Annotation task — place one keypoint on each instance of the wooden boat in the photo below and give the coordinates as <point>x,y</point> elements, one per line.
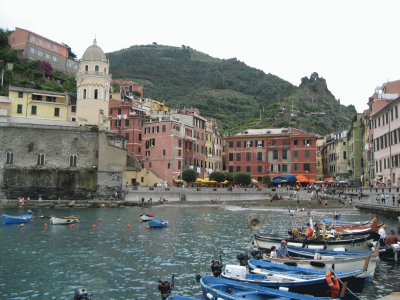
<point>64,220</point>
<point>390,253</point>
<point>339,222</point>
<point>222,288</point>
<point>325,263</point>
<point>157,223</point>
<point>355,243</point>
<point>302,278</point>
<point>147,217</point>
<point>7,219</point>
<point>337,252</point>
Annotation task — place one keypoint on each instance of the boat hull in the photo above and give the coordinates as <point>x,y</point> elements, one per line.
<point>222,288</point>
<point>358,243</point>
<point>157,223</point>
<point>7,219</point>
<point>390,253</point>
<point>64,220</point>
<point>314,279</point>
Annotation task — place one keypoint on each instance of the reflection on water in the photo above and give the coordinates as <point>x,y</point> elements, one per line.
<point>113,255</point>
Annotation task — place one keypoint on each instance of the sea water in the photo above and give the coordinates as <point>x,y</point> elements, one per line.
<point>114,256</point>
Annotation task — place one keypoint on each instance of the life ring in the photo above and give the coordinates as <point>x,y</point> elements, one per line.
<point>333,283</point>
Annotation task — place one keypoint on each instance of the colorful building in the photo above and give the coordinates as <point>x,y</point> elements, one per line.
<point>273,152</point>
<point>355,147</point>
<point>30,45</point>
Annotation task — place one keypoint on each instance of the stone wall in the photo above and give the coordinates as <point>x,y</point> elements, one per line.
<point>55,178</point>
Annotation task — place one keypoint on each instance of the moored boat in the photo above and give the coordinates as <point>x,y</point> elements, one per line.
<point>222,288</point>
<point>355,243</point>
<point>390,253</point>
<point>8,219</point>
<point>155,223</point>
<point>64,220</point>
<point>147,217</point>
<point>355,284</point>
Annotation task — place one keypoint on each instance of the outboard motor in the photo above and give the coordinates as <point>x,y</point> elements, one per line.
<point>255,253</point>
<point>165,288</point>
<point>243,258</point>
<point>81,294</point>
<point>216,268</point>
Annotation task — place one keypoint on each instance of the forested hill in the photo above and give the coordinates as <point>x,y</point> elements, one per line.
<point>228,90</point>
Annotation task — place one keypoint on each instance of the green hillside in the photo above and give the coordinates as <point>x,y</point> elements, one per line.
<point>228,90</point>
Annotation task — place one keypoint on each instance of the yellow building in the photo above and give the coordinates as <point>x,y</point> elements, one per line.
<point>37,104</point>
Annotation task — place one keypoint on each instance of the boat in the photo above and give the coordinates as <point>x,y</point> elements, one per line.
<point>227,289</point>
<point>390,253</point>
<point>337,252</point>
<point>147,217</point>
<point>64,220</point>
<point>368,262</point>
<point>355,243</point>
<point>155,223</point>
<point>303,280</point>
<point>179,297</point>
<point>8,219</point>
<point>339,222</point>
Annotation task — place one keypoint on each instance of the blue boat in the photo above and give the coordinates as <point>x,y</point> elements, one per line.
<point>339,253</point>
<point>303,280</point>
<point>157,223</point>
<point>7,219</point>
<point>221,288</point>
<point>179,297</point>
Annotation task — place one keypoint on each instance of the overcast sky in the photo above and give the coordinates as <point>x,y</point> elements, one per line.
<point>352,44</point>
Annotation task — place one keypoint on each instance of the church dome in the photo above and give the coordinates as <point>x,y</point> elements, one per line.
<point>94,53</point>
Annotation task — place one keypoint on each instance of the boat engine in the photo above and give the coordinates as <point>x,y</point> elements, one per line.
<point>256,253</point>
<point>216,268</point>
<point>165,287</point>
<point>81,294</point>
<point>243,258</point>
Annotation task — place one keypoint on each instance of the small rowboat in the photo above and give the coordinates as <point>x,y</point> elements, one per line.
<point>7,219</point>
<point>147,217</point>
<point>64,220</point>
<point>157,223</point>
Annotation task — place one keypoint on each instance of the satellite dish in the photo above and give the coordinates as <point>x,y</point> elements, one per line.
<point>254,222</point>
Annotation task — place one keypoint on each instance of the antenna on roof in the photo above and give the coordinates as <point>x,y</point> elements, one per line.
<point>95,40</point>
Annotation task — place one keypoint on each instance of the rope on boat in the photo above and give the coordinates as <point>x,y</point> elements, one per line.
<point>351,292</point>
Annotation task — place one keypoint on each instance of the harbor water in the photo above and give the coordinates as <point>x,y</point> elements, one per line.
<point>114,256</point>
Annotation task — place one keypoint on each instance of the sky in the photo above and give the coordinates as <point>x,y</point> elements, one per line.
<point>354,45</point>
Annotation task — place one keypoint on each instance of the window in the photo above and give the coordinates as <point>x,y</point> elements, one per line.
<point>84,93</point>
<point>295,167</point>
<point>19,109</point>
<point>344,155</point>
<point>307,142</point>
<point>259,156</point>
<point>295,142</point>
<point>248,169</point>
<point>273,142</point>
<point>284,168</point>
<point>37,97</point>
<point>259,169</point>
<point>73,108</point>
<point>275,154</point>
<point>295,153</point>
<point>9,158</point>
<point>238,169</point>
<point>179,164</point>
<point>56,111</point>
<point>237,156</point>
<point>230,144</point>
<point>230,156</point>
<point>33,109</point>
<point>164,128</point>
<point>306,167</point>
<point>127,136</point>
<point>163,152</point>
<point>96,94</point>
<point>40,159</point>
<point>96,68</point>
<point>20,94</point>
<point>248,156</point>
<point>230,169</point>
<point>307,153</point>
<point>284,154</point>
<point>126,123</point>
<point>86,68</point>
<point>238,144</point>
<point>72,160</point>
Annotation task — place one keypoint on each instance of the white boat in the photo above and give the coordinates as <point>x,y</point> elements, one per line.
<point>147,217</point>
<point>366,262</point>
<point>64,220</point>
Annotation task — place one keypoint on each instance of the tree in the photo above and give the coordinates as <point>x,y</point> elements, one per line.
<point>189,176</point>
<point>266,180</point>
<point>217,176</point>
<point>71,55</point>
<point>243,179</point>
<point>228,176</point>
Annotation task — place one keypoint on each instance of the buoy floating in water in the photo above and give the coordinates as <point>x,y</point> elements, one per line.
<point>21,225</point>
<point>94,226</point>
<point>45,225</point>
<point>129,226</point>
<point>147,227</point>
<point>73,225</point>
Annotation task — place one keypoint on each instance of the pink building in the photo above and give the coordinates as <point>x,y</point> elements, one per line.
<point>273,152</point>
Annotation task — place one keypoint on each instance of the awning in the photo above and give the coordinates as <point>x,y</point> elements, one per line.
<point>289,178</point>
<point>302,179</point>
<point>277,179</point>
